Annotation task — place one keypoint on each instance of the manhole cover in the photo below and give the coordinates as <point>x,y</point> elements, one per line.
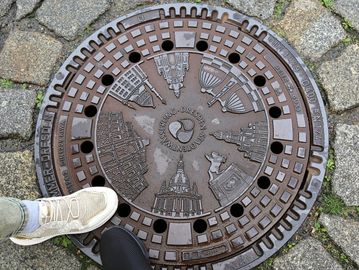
<point>207,125</point>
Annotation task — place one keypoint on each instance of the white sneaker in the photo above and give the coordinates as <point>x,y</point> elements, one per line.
<point>80,212</point>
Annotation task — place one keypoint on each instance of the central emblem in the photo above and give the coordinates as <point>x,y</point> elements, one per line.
<point>182,130</point>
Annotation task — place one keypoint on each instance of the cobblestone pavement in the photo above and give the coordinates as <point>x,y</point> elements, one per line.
<point>36,36</point>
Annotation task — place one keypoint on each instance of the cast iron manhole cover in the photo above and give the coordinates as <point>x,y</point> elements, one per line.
<point>207,125</point>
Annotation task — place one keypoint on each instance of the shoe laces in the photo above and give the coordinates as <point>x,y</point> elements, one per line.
<point>56,210</point>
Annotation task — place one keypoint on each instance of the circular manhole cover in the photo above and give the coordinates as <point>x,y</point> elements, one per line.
<point>207,125</point>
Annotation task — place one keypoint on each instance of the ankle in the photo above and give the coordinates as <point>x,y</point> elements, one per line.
<point>33,215</point>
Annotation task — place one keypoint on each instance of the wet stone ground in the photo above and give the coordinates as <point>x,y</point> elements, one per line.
<point>36,36</point>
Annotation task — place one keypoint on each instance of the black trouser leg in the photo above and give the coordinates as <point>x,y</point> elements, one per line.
<point>122,250</point>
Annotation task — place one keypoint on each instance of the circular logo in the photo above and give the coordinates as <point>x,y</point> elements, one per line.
<point>182,130</point>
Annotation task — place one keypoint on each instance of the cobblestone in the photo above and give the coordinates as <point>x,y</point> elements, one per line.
<point>16,113</point>
<point>68,18</point>
<point>307,254</point>
<point>122,6</point>
<point>24,7</point>
<point>345,233</point>
<point>40,257</point>
<point>346,174</point>
<point>349,9</point>
<point>260,8</point>
<point>311,28</point>
<point>17,176</point>
<point>339,78</point>
<point>5,6</point>
<point>29,57</point>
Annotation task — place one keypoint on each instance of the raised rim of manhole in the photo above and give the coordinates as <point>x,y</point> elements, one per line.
<point>208,126</point>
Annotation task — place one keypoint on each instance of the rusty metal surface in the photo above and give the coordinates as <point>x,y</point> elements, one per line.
<point>207,125</point>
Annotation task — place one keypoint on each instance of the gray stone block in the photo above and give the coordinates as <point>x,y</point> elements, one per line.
<point>340,79</point>
<point>311,28</point>
<point>29,57</point>
<point>349,9</point>
<point>24,7</point>
<point>259,8</point>
<point>5,6</point>
<point>44,256</point>
<point>16,113</point>
<point>68,18</point>
<point>307,254</point>
<point>17,176</point>
<point>345,234</point>
<point>120,7</point>
<point>346,174</point>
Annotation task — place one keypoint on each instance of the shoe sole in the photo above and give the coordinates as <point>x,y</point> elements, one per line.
<point>111,198</point>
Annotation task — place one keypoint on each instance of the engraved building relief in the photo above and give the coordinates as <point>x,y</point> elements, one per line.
<point>227,184</point>
<point>133,86</point>
<point>236,96</point>
<point>122,154</point>
<point>251,140</point>
<point>212,74</point>
<point>210,78</point>
<point>177,197</point>
<point>173,67</point>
